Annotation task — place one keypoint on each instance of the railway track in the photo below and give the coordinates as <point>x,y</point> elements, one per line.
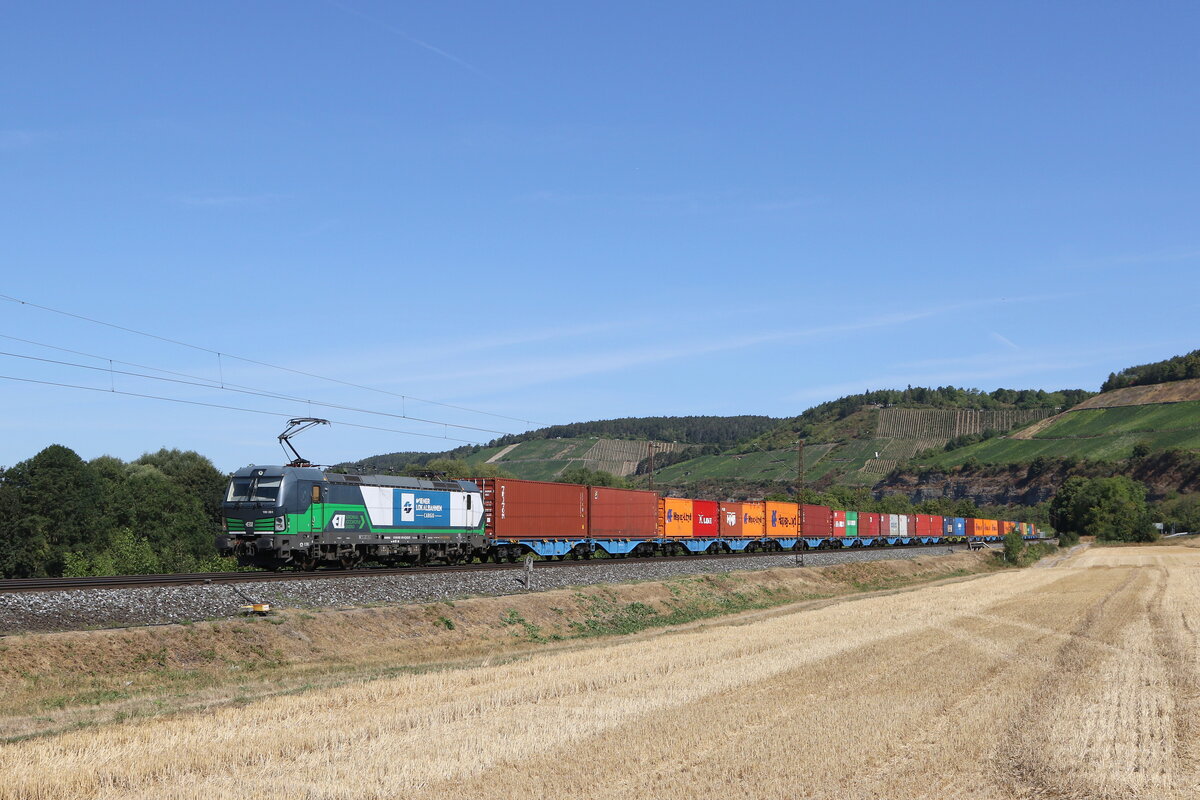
<point>199,578</point>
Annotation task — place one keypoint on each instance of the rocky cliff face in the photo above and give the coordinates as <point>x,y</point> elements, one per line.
<point>1029,484</point>
<point>982,489</point>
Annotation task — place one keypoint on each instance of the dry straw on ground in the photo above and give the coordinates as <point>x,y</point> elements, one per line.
<point>1074,681</point>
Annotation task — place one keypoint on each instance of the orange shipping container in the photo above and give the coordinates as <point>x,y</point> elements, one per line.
<point>783,520</point>
<point>675,517</point>
<point>754,519</point>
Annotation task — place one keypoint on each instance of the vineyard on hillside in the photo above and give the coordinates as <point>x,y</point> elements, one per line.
<point>912,423</point>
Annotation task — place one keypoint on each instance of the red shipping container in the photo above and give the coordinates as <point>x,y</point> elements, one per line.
<point>928,525</point>
<point>868,524</point>
<point>729,520</point>
<point>516,509</point>
<point>621,513</point>
<point>816,522</point>
<point>839,523</point>
<point>704,518</point>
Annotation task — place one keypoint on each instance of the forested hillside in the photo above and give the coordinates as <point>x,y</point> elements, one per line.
<point>685,430</point>
<point>1178,368</point>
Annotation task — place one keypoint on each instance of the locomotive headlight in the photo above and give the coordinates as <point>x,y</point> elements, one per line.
<point>280,524</point>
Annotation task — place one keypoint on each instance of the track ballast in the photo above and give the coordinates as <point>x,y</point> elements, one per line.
<point>189,579</point>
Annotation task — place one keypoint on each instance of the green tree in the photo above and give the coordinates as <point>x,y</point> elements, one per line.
<point>165,515</point>
<point>1110,508</point>
<point>1014,547</point>
<point>455,469</point>
<point>51,505</point>
<point>127,554</point>
<point>1181,512</point>
<point>194,474</point>
<point>592,477</point>
<point>894,504</point>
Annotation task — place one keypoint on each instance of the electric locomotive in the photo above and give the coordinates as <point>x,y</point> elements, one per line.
<point>302,516</point>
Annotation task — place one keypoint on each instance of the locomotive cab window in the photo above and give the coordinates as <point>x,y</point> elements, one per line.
<point>316,494</point>
<point>258,489</point>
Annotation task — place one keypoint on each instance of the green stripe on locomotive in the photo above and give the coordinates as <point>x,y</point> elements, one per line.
<point>354,518</point>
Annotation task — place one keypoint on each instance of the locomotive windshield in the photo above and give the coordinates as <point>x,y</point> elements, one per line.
<point>254,489</point>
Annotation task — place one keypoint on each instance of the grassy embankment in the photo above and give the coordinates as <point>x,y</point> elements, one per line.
<point>51,682</point>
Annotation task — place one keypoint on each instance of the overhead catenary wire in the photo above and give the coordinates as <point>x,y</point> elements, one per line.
<point>207,383</point>
<point>220,354</point>
<point>225,407</point>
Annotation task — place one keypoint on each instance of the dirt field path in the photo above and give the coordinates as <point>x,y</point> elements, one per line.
<point>1076,681</point>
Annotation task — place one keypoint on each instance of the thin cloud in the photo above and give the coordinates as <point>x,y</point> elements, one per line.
<point>1004,340</point>
<point>1171,256</point>
<point>679,204</point>
<point>488,348</point>
<point>412,39</point>
<point>16,139</point>
<point>968,370</point>
<point>529,372</point>
<point>791,205</point>
<point>973,360</point>
<point>231,200</point>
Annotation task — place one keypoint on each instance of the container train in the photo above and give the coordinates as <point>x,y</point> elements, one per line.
<point>304,517</point>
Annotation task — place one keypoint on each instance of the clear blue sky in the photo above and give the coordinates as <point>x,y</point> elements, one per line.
<point>562,212</point>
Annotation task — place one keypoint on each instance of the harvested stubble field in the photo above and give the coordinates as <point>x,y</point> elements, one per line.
<point>1078,680</point>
